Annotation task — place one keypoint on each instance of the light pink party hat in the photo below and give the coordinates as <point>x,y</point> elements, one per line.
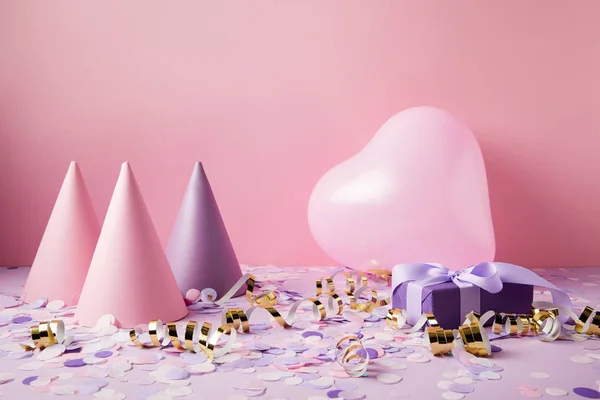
<point>199,249</point>
<point>129,276</point>
<point>63,257</point>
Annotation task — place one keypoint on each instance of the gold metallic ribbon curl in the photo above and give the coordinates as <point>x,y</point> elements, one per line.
<point>352,356</point>
<point>46,334</point>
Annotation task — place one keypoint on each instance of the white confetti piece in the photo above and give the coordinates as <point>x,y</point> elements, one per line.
<point>556,391</point>
<point>41,382</point>
<point>270,376</point>
<point>104,321</point>
<point>63,390</point>
<point>484,362</point>
<point>51,352</point>
<point>452,396</point>
<point>465,380</point>
<point>595,356</point>
<point>105,393</point>
<point>203,368</point>
<point>494,376</point>
<point>6,377</point>
<point>444,385</point>
<point>55,305</point>
<point>30,366</point>
<point>175,391</point>
<point>227,358</point>
<point>293,381</point>
<point>249,370</point>
<point>249,385</point>
<point>65,376</point>
<point>539,375</point>
<point>323,382</point>
<point>451,374</point>
<point>388,378</point>
<point>143,381</point>
<point>418,358</point>
<point>582,359</point>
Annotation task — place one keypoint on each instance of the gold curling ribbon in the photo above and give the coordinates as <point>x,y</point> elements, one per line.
<point>352,356</point>
<point>440,341</point>
<point>195,340</point>
<point>46,334</point>
<point>352,292</point>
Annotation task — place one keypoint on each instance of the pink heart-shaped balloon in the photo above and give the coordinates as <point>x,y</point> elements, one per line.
<point>417,192</point>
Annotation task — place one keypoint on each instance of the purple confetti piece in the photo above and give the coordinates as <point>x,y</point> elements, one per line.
<point>460,388</point>
<point>325,358</point>
<point>496,349</point>
<point>288,360</point>
<point>29,379</point>
<point>21,319</point>
<point>75,363</point>
<point>370,351</point>
<point>264,361</point>
<point>588,393</point>
<point>242,363</point>
<point>275,351</point>
<point>103,354</point>
<point>334,394</point>
<point>309,377</point>
<point>312,333</point>
<point>224,368</point>
<point>88,388</point>
<point>372,318</point>
<point>476,369</point>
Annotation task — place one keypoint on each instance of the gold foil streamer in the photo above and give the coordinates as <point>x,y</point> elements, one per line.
<point>46,334</point>
<point>440,341</point>
<point>352,356</point>
<point>195,340</point>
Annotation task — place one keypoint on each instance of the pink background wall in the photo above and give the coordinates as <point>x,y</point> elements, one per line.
<point>270,94</point>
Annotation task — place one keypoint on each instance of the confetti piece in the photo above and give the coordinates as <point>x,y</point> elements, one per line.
<point>460,388</point>
<point>556,391</point>
<point>531,393</point>
<point>270,376</point>
<point>204,368</point>
<point>346,395</point>
<point>293,381</point>
<point>587,392</point>
<point>491,375</point>
<point>323,383</point>
<point>175,391</point>
<point>55,305</point>
<point>389,378</point>
<point>51,352</point>
<point>452,396</point>
<point>582,359</point>
<point>63,390</point>
<point>465,380</point>
<point>30,366</point>
<point>539,375</point>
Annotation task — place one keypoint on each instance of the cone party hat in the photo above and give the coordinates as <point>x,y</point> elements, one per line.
<point>199,249</point>
<point>129,276</point>
<point>63,257</point>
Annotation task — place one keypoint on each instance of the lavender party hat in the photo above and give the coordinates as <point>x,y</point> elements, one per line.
<point>199,249</point>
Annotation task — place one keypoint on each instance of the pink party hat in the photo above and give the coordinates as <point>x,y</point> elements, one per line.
<point>129,276</point>
<point>64,254</point>
<point>199,249</point>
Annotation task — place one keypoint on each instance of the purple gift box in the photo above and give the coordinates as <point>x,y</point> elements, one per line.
<point>444,301</point>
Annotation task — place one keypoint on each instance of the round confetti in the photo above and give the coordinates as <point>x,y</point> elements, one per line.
<point>192,295</point>
<point>63,390</point>
<point>556,391</point>
<point>51,352</point>
<point>334,394</point>
<point>418,358</point>
<point>55,305</point>
<point>452,396</point>
<point>582,359</point>
<point>588,393</point>
<point>293,381</point>
<point>181,391</point>
<point>30,366</point>
<point>531,394</point>
<point>21,319</point>
<point>444,385</point>
<point>460,388</point>
<point>490,375</point>
<point>323,383</point>
<point>539,375</point>
<point>465,380</point>
<point>388,378</point>
<point>204,368</point>
<point>75,363</point>
<point>29,379</point>
<point>347,385</point>
<point>103,354</point>
<point>346,395</point>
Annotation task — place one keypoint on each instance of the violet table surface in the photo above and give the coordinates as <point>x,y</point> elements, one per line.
<point>519,358</point>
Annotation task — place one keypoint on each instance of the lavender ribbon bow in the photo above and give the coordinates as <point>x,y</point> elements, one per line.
<point>488,276</point>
